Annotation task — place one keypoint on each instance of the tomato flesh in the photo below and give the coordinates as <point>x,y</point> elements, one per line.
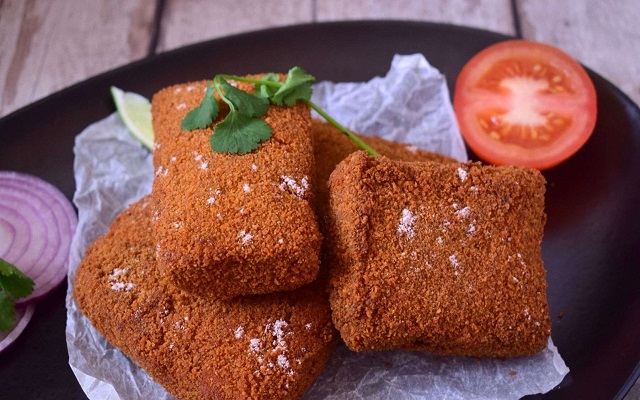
<point>524,103</point>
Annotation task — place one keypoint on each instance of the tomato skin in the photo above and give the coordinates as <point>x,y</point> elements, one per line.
<point>524,103</point>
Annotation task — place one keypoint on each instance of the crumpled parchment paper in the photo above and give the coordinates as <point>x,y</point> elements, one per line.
<point>410,104</point>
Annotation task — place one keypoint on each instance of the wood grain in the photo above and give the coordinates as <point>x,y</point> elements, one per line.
<point>603,35</point>
<point>47,45</point>
<point>493,15</point>
<point>191,21</point>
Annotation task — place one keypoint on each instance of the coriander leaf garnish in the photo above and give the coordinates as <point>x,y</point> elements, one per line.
<point>13,281</point>
<point>7,311</point>
<point>239,134</point>
<point>14,284</point>
<point>245,103</point>
<point>265,90</point>
<point>297,87</point>
<point>203,115</point>
<point>242,131</point>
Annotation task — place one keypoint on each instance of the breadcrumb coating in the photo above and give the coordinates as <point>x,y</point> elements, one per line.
<point>438,257</point>
<point>258,347</point>
<point>229,225</point>
<point>330,147</point>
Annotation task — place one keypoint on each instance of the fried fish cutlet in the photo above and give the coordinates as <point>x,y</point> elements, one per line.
<point>330,147</point>
<point>437,257</point>
<point>257,347</point>
<point>229,225</point>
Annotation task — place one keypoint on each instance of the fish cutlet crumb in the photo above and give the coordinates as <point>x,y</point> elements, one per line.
<point>330,147</point>
<point>256,347</point>
<point>438,257</point>
<point>226,224</point>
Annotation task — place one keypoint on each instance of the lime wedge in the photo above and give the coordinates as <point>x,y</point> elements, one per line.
<point>135,112</point>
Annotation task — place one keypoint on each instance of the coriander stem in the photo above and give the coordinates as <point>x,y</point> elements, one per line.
<point>355,139</point>
<point>224,98</point>
<point>359,142</point>
<point>252,80</point>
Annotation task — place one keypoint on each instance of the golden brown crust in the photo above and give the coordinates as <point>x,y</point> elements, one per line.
<point>229,225</point>
<point>258,347</point>
<point>330,146</point>
<point>438,257</point>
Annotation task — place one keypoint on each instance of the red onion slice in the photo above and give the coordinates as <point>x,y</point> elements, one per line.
<point>39,221</point>
<point>23,316</point>
<point>15,230</point>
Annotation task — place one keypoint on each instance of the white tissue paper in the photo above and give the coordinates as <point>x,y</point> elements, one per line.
<point>411,105</point>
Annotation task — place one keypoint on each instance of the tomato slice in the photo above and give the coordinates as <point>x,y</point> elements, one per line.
<point>524,103</point>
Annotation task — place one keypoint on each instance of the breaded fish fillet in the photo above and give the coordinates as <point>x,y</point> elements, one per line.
<point>228,225</point>
<point>438,257</point>
<point>258,347</point>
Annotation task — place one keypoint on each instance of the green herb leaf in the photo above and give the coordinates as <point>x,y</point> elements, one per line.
<point>239,134</point>
<point>296,87</point>
<point>7,311</point>
<point>245,103</point>
<point>241,131</point>
<point>203,115</point>
<point>13,281</point>
<point>265,90</point>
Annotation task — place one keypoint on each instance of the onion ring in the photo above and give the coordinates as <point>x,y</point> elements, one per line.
<point>38,221</point>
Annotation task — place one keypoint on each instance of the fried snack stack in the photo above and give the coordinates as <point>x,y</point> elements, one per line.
<point>258,347</point>
<point>228,225</point>
<point>438,257</point>
<point>212,283</point>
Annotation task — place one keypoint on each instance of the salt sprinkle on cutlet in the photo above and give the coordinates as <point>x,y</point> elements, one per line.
<point>119,286</point>
<point>407,220</point>
<point>464,213</point>
<point>245,237</point>
<point>454,263</point>
<point>298,189</point>
<point>283,362</point>
<point>278,331</point>
<point>454,260</point>
<point>239,332</point>
<point>115,280</point>
<point>462,174</point>
<point>162,171</point>
<point>254,345</point>
<point>278,346</point>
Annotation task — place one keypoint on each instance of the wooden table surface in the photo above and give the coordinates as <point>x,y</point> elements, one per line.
<point>47,45</point>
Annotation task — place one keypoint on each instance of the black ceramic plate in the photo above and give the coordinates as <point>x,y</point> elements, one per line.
<point>592,240</point>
